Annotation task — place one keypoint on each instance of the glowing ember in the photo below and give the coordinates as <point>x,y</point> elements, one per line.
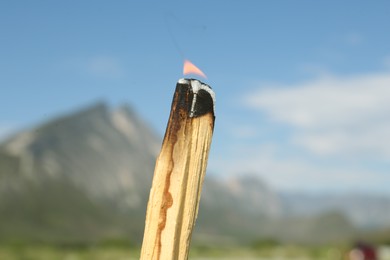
<point>190,68</point>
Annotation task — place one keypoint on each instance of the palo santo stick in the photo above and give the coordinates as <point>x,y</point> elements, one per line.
<point>179,173</point>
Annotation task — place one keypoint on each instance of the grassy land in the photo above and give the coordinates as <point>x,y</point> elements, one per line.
<point>117,253</point>
<point>52,253</point>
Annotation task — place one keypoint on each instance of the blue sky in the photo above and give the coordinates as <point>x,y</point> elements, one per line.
<point>303,87</point>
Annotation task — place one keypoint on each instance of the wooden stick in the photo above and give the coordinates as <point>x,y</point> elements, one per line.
<point>179,173</point>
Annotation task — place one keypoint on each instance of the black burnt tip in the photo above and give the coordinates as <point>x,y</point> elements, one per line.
<point>203,103</point>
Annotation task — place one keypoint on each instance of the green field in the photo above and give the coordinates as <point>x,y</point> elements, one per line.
<point>110,253</point>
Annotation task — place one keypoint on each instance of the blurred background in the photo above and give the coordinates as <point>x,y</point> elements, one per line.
<point>300,159</point>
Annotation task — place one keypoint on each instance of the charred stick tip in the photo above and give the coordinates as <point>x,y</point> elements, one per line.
<point>203,99</point>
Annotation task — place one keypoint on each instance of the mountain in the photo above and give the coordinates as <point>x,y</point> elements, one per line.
<point>366,211</point>
<point>244,209</point>
<point>117,152</point>
<point>85,177</point>
<point>83,173</point>
<point>235,210</point>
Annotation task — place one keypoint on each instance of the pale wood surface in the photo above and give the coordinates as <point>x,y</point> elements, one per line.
<point>177,183</point>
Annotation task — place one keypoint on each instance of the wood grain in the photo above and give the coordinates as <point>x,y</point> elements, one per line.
<point>178,176</point>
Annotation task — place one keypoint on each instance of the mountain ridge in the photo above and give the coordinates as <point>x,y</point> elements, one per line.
<point>86,176</point>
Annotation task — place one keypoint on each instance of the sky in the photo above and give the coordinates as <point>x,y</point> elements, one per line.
<point>302,87</point>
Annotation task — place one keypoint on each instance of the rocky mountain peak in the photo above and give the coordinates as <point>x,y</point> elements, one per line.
<point>87,174</point>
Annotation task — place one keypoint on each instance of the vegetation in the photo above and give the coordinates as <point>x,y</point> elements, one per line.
<point>56,253</point>
<point>117,248</point>
<point>44,252</point>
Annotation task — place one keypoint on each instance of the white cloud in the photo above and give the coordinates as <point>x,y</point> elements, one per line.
<point>339,116</point>
<point>243,131</point>
<point>314,69</point>
<point>386,61</point>
<point>105,66</point>
<point>353,38</point>
<point>371,141</point>
<point>335,135</point>
<point>101,66</point>
<point>299,173</point>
